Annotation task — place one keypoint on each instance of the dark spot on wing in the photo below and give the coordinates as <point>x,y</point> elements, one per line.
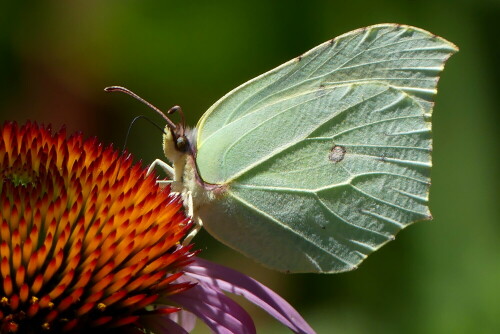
<point>299,58</point>
<point>337,154</point>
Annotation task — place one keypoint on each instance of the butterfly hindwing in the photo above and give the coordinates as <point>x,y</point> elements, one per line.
<point>338,190</point>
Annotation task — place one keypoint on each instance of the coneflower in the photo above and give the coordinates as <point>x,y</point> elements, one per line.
<point>89,242</point>
<point>87,239</point>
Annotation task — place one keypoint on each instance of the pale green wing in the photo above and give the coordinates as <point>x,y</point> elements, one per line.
<point>347,186</point>
<point>325,158</point>
<point>405,57</point>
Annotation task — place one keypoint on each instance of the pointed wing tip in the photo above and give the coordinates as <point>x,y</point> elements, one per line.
<point>453,48</point>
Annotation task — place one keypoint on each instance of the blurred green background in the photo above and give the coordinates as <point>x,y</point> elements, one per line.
<point>437,277</point>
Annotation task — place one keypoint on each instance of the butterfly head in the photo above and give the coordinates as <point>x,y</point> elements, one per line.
<point>177,142</point>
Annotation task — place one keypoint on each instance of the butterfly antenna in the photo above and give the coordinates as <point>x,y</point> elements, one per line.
<point>170,124</point>
<point>132,123</point>
<point>178,109</point>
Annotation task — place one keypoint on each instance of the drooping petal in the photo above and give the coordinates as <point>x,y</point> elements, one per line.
<point>226,279</point>
<point>212,306</point>
<point>185,319</point>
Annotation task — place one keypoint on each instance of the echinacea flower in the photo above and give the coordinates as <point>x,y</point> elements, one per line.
<point>87,239</point>
<point>89,242</point>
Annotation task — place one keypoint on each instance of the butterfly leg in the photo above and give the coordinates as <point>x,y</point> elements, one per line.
<point>164,183</point>
<point>198,224</point>
<point>166,167</point>
<point>163,165</point>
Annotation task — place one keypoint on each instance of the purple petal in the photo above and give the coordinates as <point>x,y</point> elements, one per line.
<point>220,277</point>
<point>219,312</point>
<point>185,319</point>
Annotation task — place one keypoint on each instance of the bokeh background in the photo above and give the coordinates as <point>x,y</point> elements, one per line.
<point>437,277</point>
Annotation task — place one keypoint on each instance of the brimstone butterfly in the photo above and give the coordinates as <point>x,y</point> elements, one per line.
<point>317,163</point>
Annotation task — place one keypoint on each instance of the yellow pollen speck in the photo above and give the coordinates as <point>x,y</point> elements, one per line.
<point>4,301</point>
<point>51,305</point>
<point>46,326</point>
<point>101,306</point>
<point>34,300</point>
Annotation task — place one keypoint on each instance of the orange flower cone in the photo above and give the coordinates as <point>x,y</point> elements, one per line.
<point>88,241</point>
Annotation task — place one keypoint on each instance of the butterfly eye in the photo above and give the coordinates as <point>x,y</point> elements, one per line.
<point>181,143</point>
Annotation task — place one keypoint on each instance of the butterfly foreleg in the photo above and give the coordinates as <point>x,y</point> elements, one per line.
<point>163,165</point>
<point>164,183</point>
<point>198,224</point>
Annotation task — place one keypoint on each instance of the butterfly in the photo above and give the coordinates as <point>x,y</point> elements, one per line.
<point>314,165</point>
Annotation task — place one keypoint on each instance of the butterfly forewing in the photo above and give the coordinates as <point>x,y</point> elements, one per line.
<point>327,157</point>
<point>401,56</point>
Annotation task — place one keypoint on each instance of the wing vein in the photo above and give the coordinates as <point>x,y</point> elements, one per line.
<point>341,66</point>
<point>384,202</point>
<point>288,228</point>
<point>262,124</point>
<point>288,74</point>
<point>297,140</point>
<point>374,123</point>
<point>347,222</point>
